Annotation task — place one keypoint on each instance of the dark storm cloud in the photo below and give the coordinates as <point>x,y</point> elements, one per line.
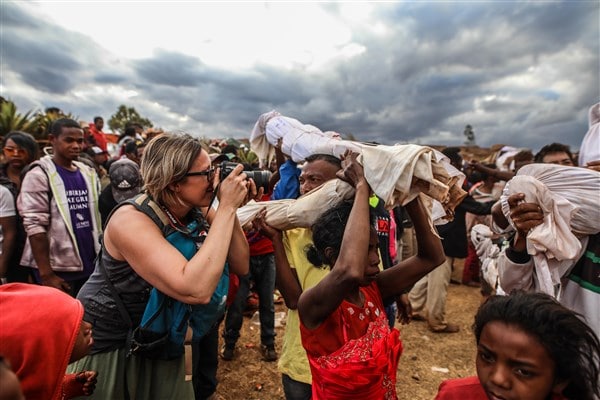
<point>519,73</point>
<point>214,95</point>
<point>171,69</point>
<point>44,56</point>
<point>440,70</point>
<point>54,67</point>
<point>109,78</point>
<point>13,16</point>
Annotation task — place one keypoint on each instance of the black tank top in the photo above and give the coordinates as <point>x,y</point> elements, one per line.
<point>110,330</point>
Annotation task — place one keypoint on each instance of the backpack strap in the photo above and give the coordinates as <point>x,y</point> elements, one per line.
<point>144,203</point>
<point>167,223</point>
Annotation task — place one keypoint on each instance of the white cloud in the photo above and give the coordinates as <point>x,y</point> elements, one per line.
<point>227,35</point>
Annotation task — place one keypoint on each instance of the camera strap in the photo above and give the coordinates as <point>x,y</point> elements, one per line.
<point>214,196</point>
<point>199,226</point>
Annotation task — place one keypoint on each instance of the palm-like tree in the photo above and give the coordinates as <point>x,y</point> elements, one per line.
<point>42,120</point>
<point>11,120</point>
<point>247,156</point>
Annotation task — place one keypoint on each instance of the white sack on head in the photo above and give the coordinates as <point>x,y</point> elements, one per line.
<point>298,140</point>
<point>569,198</point>
<point>395,173</point>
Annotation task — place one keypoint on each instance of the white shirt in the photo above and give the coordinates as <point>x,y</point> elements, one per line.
<point>7,208</point>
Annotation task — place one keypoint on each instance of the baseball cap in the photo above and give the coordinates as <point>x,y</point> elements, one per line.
<point>97,150</point>
<point>125,179</point>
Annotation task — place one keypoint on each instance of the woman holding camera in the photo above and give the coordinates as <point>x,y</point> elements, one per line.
<point>135,257</point>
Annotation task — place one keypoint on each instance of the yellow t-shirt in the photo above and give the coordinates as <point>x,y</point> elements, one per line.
<point>292,360</point>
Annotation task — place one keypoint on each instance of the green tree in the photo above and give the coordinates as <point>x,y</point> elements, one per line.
<point>247,156</point>
<point>126,115</point>
<point>36,123</point>
<point>43,120</point>
<point>11,120</point>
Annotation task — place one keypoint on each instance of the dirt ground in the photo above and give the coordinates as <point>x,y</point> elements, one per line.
<point>249,378</point>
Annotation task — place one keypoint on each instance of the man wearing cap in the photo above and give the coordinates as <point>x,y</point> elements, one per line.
<point>100,159</point>
<point>88,139</point>
<point>125,183</point>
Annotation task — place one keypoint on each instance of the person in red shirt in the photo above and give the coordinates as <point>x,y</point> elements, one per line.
<point>97,134</point>
<point>531,347</point>
<point>349,344</point>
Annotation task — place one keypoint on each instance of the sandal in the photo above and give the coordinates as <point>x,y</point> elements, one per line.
<point>449,328</point>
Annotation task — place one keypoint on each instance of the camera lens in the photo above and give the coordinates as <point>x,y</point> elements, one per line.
<point>260,178</point>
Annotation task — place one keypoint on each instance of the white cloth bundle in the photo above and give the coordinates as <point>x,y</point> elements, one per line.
<point>590,145</point>
<point>569,198</point>
<point>302,212</point>
<point>397,174</point>
<point>304,140</point>
<point>488,252</point>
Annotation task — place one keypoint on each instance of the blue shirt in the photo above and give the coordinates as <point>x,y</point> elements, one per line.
<point>288,186</point>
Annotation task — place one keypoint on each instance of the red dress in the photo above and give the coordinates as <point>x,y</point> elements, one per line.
<point>353,354</point>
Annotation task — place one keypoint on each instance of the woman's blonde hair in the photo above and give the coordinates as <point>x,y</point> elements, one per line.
<point>167,158</point>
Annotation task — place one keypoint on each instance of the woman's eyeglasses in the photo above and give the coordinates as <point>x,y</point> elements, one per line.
<point>210,173</point>
<point>9,151</point>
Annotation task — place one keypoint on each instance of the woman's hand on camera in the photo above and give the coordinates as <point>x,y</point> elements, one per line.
<point>233,190</point>
<point>253,193</point>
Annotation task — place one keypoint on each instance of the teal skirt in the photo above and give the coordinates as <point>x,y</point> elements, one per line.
<point>135,378</point>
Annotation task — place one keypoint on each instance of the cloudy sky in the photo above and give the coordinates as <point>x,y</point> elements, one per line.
<point>521,73</point>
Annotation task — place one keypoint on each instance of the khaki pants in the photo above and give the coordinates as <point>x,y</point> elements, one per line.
<point>408,244</point>
<point>428,296</point>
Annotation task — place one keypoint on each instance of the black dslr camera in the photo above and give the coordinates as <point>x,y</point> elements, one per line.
<point>260,178</point>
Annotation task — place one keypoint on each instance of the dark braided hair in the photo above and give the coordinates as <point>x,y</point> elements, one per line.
<point>571,343</point>
<point>328,231</point>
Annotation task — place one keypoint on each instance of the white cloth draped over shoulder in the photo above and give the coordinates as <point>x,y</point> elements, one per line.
<point>302,212</point>
<point>397,174</point>
<point>488,252</point>
<point>569,198</point>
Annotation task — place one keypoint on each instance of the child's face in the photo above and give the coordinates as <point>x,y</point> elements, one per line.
<point>83,343</point>
<point>513,365</point>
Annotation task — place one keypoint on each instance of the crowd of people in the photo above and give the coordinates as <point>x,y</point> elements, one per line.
<point>113,260</point>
